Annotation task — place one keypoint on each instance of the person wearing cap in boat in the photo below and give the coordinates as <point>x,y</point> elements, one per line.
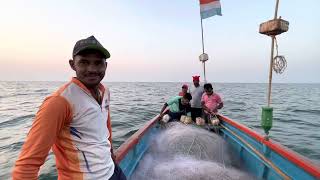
<point>196,92</point>
<point>184,90</point>
<point>210,102</point>
<point>178,106</point>
<point>75,123</point>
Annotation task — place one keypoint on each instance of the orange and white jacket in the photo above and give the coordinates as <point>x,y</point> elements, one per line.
<point>78,130</point>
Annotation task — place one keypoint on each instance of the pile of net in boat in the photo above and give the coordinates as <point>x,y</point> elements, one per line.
<point>189,153</point>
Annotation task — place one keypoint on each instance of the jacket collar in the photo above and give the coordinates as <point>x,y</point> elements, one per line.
<point>83,87</point>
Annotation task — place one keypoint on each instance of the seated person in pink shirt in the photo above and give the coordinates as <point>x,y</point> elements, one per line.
<point>210,102</point>
<point>184,90</point>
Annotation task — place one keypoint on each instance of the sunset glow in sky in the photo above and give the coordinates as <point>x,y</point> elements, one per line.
<point>152,40</point>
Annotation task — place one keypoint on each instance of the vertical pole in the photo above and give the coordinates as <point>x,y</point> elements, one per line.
<point>270,71</point>
<point>203,62</point>
<point>204,71</point>
<point>202,36</point>
<point>271,58</point>
<point>276,10</point>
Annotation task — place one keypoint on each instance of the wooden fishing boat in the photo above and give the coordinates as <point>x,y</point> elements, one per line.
<point>265,159</point>
<point>259,155</point>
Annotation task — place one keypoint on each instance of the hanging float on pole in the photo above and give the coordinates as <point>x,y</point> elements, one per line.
<point>278,63</point>
<point>203,58</point>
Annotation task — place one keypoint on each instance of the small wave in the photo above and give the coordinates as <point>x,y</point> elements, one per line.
<point>138,100</point>
<point>293,121</point>
<point>21,94</point>
<point>8,109</point>
<point>12,147</point>
<point>311,111</point>
<point>130,133</point>
<point>15,121</point>
<point>23,103</point>
<point>50,175</point>
<point>234,102</point>
<point>40,90</point>
<point>237,110</point>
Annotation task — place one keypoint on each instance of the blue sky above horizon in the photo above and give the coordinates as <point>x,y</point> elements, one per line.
<point>158,40</point>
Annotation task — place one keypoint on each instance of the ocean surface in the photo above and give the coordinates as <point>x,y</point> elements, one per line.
<point>296,113</point>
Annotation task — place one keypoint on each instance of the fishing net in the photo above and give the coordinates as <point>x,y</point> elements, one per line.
<point>188,152</point>
<point>186,140</point>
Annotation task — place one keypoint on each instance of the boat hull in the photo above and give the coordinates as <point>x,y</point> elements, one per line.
<point>262,158</point>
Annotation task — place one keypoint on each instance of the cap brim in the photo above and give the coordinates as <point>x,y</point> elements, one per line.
<point>104,51</point>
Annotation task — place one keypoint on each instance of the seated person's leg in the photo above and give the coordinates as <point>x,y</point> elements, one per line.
<point>198,112</point>
<point>206,117</point>
<point>174,116</point>
<point>194,114</point>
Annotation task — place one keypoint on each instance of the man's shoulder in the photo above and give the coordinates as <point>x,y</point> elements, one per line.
<point>55,99</point>
<point>204,96</point>
<point>216,96</point>
<point>175,98</point>
<point>199,88</point>
<point>61,89</point>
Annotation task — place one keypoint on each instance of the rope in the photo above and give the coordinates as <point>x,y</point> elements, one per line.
<point>191,144</point>
<point>279,62</point>
<point>267,161</point>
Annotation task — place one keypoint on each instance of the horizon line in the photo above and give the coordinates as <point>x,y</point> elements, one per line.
<point>165,82</point>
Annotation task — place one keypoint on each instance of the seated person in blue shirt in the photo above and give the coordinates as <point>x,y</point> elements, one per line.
<point>178,106</point>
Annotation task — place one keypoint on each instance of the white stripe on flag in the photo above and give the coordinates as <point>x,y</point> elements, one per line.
<point>212,5</point>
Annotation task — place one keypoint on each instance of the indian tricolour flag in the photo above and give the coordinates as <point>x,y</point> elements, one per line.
<point>210,8</point>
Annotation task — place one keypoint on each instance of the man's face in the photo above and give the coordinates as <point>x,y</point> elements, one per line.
<point>90,68</point>
<point>184,101</point>
<point>184,89</point>
<point>208,91</point>
<point>196,83</point>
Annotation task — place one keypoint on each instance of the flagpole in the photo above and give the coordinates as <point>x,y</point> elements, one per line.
<point>203,62</point>
<point>202,35</point>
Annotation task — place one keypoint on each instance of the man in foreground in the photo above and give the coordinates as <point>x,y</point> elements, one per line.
<point>75,122</point>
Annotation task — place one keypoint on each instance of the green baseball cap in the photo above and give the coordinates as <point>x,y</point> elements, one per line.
<point>89,43</point>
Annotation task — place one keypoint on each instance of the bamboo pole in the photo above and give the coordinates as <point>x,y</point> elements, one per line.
<point>271,58</point>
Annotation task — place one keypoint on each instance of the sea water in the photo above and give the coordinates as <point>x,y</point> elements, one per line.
<point>296,113</point>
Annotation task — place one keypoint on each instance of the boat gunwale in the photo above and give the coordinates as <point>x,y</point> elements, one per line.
<point>133,140</point>
<point>292,156</point>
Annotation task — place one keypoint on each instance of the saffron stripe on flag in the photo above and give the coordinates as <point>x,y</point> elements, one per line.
<point>207,1</point>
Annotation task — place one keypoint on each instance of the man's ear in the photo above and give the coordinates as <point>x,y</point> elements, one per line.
<point>71,63</point>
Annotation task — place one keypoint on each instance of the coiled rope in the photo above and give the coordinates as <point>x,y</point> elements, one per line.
<point>279,62</point>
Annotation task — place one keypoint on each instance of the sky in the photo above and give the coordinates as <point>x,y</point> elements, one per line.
<point>158,41</point>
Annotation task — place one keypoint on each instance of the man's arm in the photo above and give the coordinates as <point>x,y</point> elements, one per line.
<point>220,103</point>
<point>109,126</point>
<point>204,107</point>
<point>51,117</point>
<point>163,108</point>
